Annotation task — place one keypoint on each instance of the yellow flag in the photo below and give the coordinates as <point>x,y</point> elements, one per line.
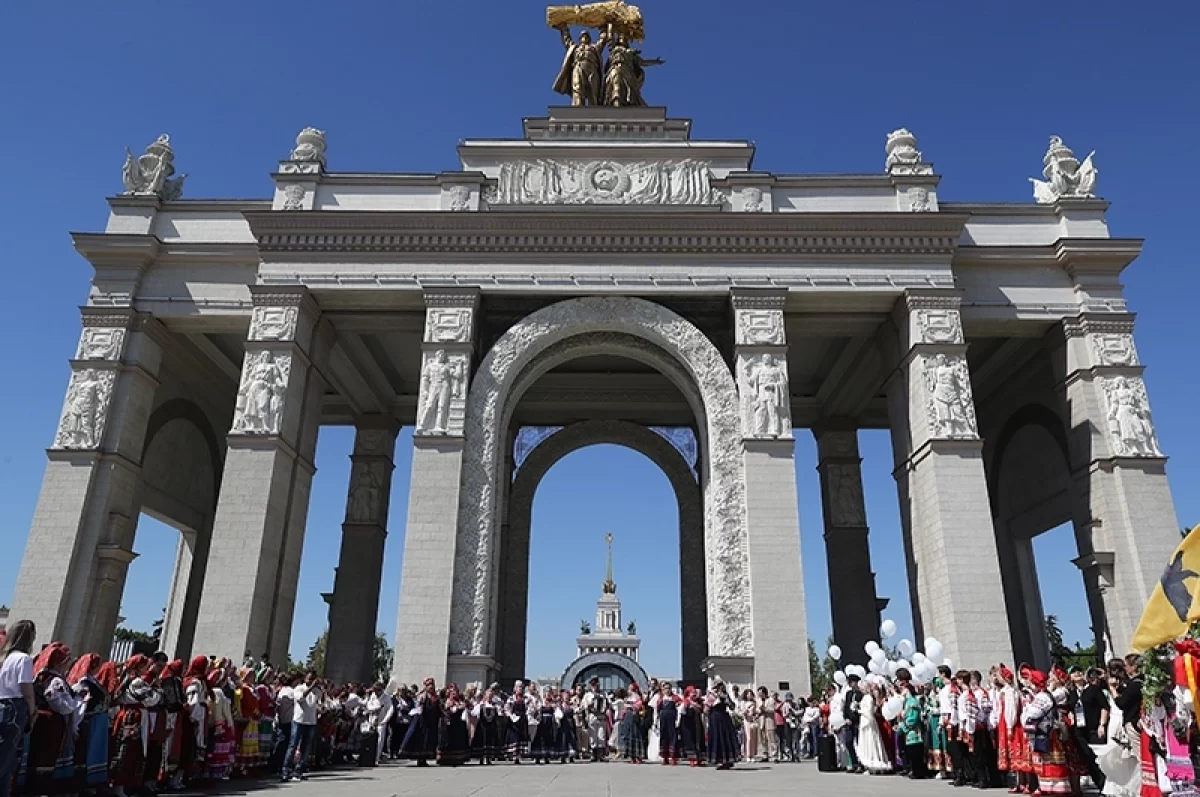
<point>1173,605</point>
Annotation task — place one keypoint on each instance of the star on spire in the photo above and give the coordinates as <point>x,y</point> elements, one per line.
<point>610,586</point>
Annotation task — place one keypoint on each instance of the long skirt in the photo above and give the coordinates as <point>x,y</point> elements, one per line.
<point>1017,751</point>
<point>485,744</point>
<point>266,740</point>
<point>567,739</point>
<point>691,736</point>
<point>723,746</point>
<point>545,739</point>
<point>516,741</point>
<point>49,763</point>
<point>936,757</point>
<point>93,747</point>
<point>421,741</point>
<point>453,742</point>
<point>1053,771</point>
<point>220,751</point>
<point>633,737</point>
<point>128,758</point>
<point>668,733</point>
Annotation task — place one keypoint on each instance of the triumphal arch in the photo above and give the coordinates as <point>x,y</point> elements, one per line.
<point>605,276</point>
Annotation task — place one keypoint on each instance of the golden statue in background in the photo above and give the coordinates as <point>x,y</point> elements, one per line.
<point>582,76</point>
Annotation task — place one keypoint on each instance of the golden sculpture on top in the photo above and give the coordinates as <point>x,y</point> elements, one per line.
<point>582,77</point>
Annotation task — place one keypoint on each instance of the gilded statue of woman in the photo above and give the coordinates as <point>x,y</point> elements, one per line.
<point>624,75</point>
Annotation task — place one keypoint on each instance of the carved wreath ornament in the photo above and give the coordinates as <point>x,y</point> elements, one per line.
<point>607,180</point>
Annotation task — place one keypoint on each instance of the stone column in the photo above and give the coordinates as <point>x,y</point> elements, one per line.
<point>950,544</point>
<point>354,606</point>
<point>852,598</point>
<point>81,539</point>
<point>258,530</point>
<point>772,514</point>
<point>1125,519</point>
<point>427,574</point>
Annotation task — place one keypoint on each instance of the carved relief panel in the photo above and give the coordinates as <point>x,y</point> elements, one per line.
<point>949,405</point>
<point>100,343</point>
<point>367,500</point>
<point>442,403</point>
<point>1114,348</point>
<point>845,494</point>
<point>447,325</point>
<point>85,409</point>
<point>262,394</point>
<point>760,328</point>
<point>765,399</point>
<point>273,323</point>
<point>939,326</point>
<point>1130,425</point>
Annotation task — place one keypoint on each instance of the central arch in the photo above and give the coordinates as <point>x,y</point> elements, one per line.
<point>517,358</point>
<point>513,583</point>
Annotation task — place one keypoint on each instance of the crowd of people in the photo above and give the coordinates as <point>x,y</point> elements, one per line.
<point>148,724</point>
<point>1032,732</point>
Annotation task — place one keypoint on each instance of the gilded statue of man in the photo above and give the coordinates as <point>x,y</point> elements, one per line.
<point>580,76</point>
<point>624,74</point>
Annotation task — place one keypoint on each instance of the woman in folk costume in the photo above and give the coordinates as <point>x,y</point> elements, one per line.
<point>453,740</point>
<point>517,710</point>
<point>545,738</point>
<point>1012,748</point>
<point>171,685</point>
<point>421,741</point>
<point>911,724</point>
<point>192,722</point>
<point>566,740</point>
<point>748,708</point>
<point>633,730</point>
<point>1040,718</point>
<point>872,754</point>
<point>650,720</point>
<point>1117,757</point>
<point>264,691</point>
<point>221,751</point>
<point>156,728</point>
<point>691,727</point>
<point>50,764</point>
<point>136,699</point>
<point>937,760</point>
<point>91,745</point>
<point>485,743</point>
<point>245,722</point>
<point>723,747</point>
<point>669,717</point>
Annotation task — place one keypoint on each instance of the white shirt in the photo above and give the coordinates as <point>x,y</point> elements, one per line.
<point>17,669</point>
<point>307,698</point>
<point>285,705</point>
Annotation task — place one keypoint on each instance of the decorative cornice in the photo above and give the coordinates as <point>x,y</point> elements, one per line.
<point>467,298</point>
<point>689,232</point>
<point>1080,256</point>
<point>750,299</point>
<point>1081,325</point>
<point>924,300</point>
<point>275,296</point>
<point>116,249</point>
<point>107,317</point>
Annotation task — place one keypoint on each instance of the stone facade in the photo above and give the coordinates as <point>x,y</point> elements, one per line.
<point>609,275</point>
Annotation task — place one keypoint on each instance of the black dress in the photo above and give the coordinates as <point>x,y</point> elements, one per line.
<point>568,735</point>
<point>421,741</point>
<point>691,733</point>
<point>517,740</point>
<point>668,733</point>
<point>485,744</point>
<point>723,748</point>
<point>454,738</point>
<point>545,743</point>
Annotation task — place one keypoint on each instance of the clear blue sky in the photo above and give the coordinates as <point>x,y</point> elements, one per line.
<point>396,84</point>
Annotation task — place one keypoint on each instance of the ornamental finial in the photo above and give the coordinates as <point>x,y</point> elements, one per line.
<point>610,586</point>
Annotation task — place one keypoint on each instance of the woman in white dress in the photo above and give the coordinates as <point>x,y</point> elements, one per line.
<point>869,746</point>
<point>653,742</point>
<point>1118,756</point>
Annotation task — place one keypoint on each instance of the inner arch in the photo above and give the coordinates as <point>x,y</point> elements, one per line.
<point>513,580</point>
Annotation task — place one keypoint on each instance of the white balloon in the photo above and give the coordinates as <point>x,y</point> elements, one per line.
<point>934,649</point>
<point>871,647</point>
<point>879,655</point>
<point>835,653</point>
<point>892,707</point>
<point>888,629</point>
<point>905,648</point>
<point>858,670</point>
<point>891,669</point>
<point>948,663</point>
<point>839,678</point>
<point>873,666</point>
<point>903,664</point>
<point>918,657</point>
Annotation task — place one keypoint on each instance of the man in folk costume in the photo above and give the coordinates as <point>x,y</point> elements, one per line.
<point>964,737</point>
<point>193,751</point>
<point>983,749</point>
<point>948,718</point>
<point>595,709</point>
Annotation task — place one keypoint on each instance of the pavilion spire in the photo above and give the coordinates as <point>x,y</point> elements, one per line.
<point>610,586</point>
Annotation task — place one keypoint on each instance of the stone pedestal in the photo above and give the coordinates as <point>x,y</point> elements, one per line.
<point>427,575</point>
<point>468,670</point>
<point>91,491</point>
<point>950,544</point>
<point>354,605</point>
<point>772,513</point>
<point>258,532</point>
<point>1125,518</point>
<point>732,670</point>
<point>852,599</point>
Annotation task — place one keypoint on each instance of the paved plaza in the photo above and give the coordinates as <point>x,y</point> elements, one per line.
<point>588,780</point>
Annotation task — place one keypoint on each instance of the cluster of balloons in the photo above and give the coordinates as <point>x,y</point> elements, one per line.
<point>921,665</point>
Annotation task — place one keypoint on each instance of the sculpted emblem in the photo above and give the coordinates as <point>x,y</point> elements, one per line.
<point>607,180</point>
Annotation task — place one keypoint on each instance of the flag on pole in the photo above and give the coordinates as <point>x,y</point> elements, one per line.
<point>1174,604</point>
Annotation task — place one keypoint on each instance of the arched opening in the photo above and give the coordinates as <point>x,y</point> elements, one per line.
<point>633,329</point>
<point>1033,500</point>
<point>181,473</point>
<point>585,494</point>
